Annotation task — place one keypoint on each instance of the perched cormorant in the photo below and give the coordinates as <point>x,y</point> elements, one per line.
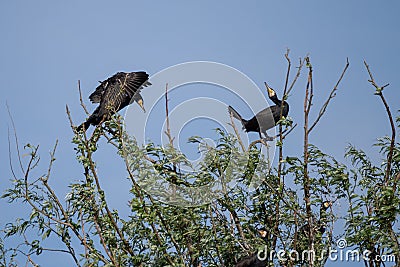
<point>266,118</point>
<point>114,94</point>
<point>254,260</point>
<point>319,225</point>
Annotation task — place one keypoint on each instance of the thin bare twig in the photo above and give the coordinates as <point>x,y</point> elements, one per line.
<point>80,98</point>
<point>168,131</point>
<point>286,132</point>
<point>70,119</point>
<point>392,126</point>
<point>299,68</point>
<point>52,159</point>
<point>232,124</point>
<point>331,95</point>
<point>9,155</point>
<point>287,72</point>
<point>258,141</point>
<point>16,138</point>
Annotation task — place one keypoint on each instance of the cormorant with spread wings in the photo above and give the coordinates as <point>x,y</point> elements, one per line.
<point>114,94</point>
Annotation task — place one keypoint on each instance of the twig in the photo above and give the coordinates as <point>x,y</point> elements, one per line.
<point>9,154</point>
<point>16,138</point>
<point>331,95</point>
<point>168,131</point>
<point>65,223</point>
<point>70,120</point>
<point>287,72</point>
<point>310,89</point>
<point>80,98</point>
<point>258,141</point>
<point>31,261</point>
<point>52,159</point>
<point>393,128</point>
<point>286,132</point>
<point>28,199</point>
<point>299,68</point>
<point>261,141</point>
<point>232,124</point>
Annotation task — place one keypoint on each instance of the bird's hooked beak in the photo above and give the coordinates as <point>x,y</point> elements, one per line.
<point>140,103</point>
<point>271,91</point>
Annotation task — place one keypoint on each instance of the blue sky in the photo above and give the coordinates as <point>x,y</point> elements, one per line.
<point>47,46</point>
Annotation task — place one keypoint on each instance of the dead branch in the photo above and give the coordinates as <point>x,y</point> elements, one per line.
<point>80,98</point>
<point>9,154</point>
<point>168,131</point>
<point>232,124</point>
<point>379,90</point>
<point>331,95</point>
<point>15,137</point>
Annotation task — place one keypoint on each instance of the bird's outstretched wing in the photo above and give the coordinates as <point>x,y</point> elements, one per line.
<point>96,96</point>
<point>135,81</point>
<point>120,87</point>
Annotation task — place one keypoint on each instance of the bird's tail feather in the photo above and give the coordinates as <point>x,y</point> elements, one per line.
<point>236,115</point>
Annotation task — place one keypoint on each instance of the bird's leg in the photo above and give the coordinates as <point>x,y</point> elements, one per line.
<point>267,137</point>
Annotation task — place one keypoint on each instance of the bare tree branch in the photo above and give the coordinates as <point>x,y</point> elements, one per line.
<point>331,95</point>
<point>168,131</point>
<point>392,126</point>
<point>16,138</point>
<point>232,124</point>
<point>80,98</point>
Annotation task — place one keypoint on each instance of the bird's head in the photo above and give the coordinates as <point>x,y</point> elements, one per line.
<point>138,99</point>
<point>326,205</point>
<point>263,232</point>
<point>271,92</point>
<point>140,103</point>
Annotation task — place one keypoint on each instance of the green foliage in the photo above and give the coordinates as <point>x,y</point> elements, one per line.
<point>289,203</point>
<point>158,234</point>
<point>374,201</point>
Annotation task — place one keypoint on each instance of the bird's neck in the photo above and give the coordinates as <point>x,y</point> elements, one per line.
<point>276,100</point>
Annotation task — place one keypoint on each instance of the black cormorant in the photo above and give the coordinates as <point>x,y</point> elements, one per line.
<point>266,118</point>
<point>254,260</point>
<point>302,238</point>
<point>319,225</point>
<point>114,94</point>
